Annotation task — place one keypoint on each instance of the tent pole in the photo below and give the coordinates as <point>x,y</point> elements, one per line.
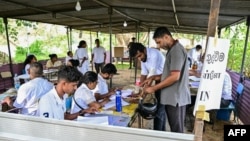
<point>67,32</point>
<point>110,12</point>
<point>135,59</point>
<point>148,37</point>
<point>91,48</point>
<point>8,43</point>
<point>70,31</point>
<point>245,47</point>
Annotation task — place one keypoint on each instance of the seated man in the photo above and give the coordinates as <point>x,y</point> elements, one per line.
<point>29,93</point>
<point>226,96</point>
<point>102,91</point>
<point>84,97</point>
<point>52,104</point>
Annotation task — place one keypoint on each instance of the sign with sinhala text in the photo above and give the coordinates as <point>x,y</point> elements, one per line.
<point>212,77</point>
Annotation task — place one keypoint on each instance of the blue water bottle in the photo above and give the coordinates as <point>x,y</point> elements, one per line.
<point>118,101</point>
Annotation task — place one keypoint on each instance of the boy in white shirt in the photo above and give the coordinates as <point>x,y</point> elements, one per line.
<point>52,104</point>
<point>102,91</point>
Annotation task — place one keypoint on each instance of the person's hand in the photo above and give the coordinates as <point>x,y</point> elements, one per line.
<point>111,93</point>
<point>90,110</point>
<point>8,101</point>
<point>96,105</point>
<point>148,90</point>
<point>147,82</point>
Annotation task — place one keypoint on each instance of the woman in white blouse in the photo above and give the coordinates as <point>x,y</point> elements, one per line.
<point>29,59</point>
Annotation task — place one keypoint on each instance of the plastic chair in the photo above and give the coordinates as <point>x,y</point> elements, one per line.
<point>224,113</point>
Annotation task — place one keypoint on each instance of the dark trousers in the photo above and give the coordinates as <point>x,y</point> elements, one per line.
<point>98,67</point>
<point>224,103</point>
<point>131,62</point>
<point>160,118</point>
<point>176,117</point>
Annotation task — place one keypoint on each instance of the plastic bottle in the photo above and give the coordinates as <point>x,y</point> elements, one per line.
<point>118,101</point>
<point>137,86</point>
<point>16,82</point>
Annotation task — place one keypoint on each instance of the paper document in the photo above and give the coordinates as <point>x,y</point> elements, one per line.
<point>194,78</point>
<point>94,119</point>
<point>125,94</point>
<point>194,84</point>
<point>112,104</point>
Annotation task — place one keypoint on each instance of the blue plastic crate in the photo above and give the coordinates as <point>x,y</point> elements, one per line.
<point>224,114</point>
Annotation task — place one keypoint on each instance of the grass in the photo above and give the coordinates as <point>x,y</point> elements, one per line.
<point>120,66</point>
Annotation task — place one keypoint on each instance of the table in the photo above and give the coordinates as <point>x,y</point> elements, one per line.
<point>111,117</point>
<point>25,77</point>
<point>49,73</point>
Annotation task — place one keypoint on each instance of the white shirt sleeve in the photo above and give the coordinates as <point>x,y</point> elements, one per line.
<point>22,95</point>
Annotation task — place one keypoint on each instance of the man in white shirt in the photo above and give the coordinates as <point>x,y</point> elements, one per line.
<point>98,56</point>
<point>102,91</point>
<point>194,54</point>
<point>52,104</point>
<point>152,63</point>
<point>30,92</point>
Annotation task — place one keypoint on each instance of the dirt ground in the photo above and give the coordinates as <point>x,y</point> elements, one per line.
<point>126,76</point>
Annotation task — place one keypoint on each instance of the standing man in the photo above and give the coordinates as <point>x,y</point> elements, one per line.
<point>152,63</point>
<point>175,93</point>
<point>131,60</point>
<point>98,56</point>
<point>194,54</point>
<point>30,92</point>
<point>52,104</point>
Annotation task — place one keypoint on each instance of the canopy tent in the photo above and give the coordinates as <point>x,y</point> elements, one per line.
<point>108,16</point>
<point>189,16</point>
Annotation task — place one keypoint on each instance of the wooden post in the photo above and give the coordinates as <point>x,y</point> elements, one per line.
<point>211,31</point>
<point>198,129</point>
<point>213,19</point>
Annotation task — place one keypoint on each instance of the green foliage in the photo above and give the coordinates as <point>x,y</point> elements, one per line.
<point>236,35</point>
<point>1,26</point>
<point>35,48</point>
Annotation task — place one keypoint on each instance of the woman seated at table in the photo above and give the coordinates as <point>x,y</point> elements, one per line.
<point>83,97</point>
<point>53,62</point>
<point>29,59</point>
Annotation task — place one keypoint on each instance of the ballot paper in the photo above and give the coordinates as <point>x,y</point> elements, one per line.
<point>111,104</point>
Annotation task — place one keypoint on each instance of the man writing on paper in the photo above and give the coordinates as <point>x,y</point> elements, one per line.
<point>152,63</point>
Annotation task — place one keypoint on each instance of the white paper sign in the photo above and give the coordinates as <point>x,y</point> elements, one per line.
<point>213,72</point>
